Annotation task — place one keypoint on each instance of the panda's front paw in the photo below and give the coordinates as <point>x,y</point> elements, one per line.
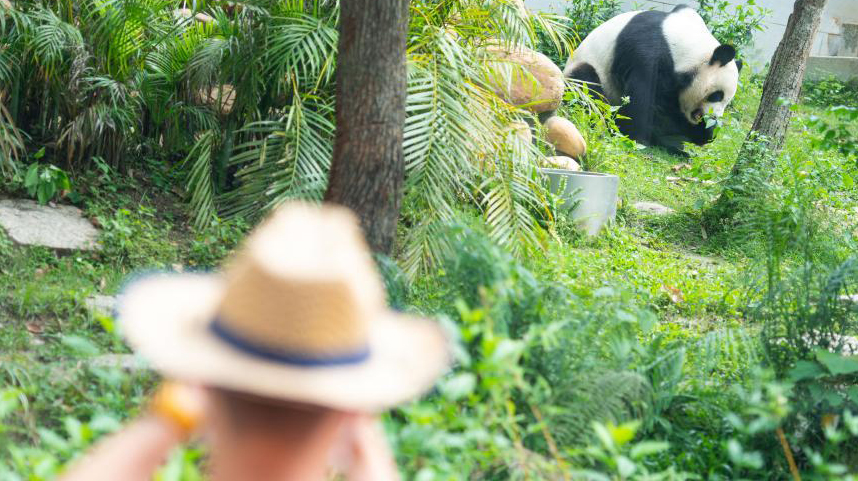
<point>678,153</point>
<point>671,150</point>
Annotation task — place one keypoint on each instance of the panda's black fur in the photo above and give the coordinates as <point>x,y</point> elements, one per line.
<point>643,69</point>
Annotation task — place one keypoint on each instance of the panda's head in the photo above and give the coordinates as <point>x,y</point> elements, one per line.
<point>712,87</point>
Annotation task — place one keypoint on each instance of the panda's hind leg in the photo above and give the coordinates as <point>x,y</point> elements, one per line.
<point>585,73</point>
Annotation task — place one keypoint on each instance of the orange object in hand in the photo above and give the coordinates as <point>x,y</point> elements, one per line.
<point>182,405</point>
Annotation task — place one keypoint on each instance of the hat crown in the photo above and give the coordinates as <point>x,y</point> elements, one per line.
<point>304,288</point>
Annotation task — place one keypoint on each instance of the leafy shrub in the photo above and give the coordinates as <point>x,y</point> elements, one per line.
<point>45,181</point>
<point>733,23</point>
<point>580,17</point>
<point>586,15</point>
<point>134,239</point>
<point>830,92</point>
<point>801,301</point>
<point>215,242</point>
<point>841,134</point>
<point>808,316</point>
<point>495,418</point>
<point>578,357</point>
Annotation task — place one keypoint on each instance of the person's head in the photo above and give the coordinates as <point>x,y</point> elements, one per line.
<point>253,437</point>
<point>295,332</point>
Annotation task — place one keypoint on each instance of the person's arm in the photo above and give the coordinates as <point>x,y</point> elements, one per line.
<point>132,454</point>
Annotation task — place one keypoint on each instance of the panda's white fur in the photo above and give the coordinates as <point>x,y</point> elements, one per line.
<point>597,49</point>
<point>691,47</point>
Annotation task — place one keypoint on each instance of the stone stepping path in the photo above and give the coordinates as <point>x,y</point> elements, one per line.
<point>60,227</point>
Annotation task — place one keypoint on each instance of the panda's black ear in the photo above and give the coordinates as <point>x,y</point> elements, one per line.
<point>723,55</point>
<point>739,64</point>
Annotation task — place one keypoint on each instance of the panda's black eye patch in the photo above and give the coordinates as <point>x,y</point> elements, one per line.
<point>716,96</point>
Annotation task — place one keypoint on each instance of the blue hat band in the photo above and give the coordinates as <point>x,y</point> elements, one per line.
<point>247,346</point>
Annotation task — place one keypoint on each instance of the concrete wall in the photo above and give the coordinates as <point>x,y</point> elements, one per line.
<point>837,36</point>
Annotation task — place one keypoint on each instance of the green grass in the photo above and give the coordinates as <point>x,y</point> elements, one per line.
<point>49,337</point>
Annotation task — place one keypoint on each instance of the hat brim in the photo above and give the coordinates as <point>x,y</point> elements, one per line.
<point>166,320</point>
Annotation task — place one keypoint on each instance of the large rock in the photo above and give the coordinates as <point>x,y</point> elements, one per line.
<point>562,162</point>
<point>221,97</point>
<point>526,78</point>
<point>61,227</point>
<point>565,137</point>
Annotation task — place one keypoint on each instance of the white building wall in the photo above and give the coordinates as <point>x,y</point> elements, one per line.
<point>829,40</point>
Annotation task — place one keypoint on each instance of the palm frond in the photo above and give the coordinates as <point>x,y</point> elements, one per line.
<point>200,183</point>
<point>458,147</point>
<point>11,143</point>
<point>51,39</point>
<point>606,396</point>
<point>728,346</point>
<point>301,49</point>
<point>285,159</point>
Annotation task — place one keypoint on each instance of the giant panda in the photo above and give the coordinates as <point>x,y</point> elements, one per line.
<point>671,68</point>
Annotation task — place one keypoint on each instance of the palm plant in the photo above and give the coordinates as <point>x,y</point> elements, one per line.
<point>245,95</point>
<point>279,56</point>
<point>457,145</point>
<point>76,77</point>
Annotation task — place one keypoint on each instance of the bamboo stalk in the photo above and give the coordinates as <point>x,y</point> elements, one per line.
<point>552,446</point>
<point>788,452</point>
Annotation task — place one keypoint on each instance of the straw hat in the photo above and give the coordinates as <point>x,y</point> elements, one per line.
<point>298,314</point>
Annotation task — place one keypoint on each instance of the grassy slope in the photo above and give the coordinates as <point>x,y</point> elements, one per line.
<point>46,330</point>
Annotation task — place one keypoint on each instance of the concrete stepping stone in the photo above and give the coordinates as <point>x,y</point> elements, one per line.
<point>704,259</point>
<point>101,304</point>
<point>60,227</point>
<point>851,299</point>
<point>653,208</point>
<point>126,362</point>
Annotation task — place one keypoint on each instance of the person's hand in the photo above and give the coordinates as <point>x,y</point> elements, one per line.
<point>136,451</point>
<point>365,454</point>
<point>183,405</point>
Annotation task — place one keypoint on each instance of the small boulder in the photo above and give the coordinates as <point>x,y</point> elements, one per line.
<point>60,227</point>
<point>522,130</point>
<point>562,162</point>
<point>186,13</point>
<point>565,137</point>
<point>653,208</point>
<point>525,78</point>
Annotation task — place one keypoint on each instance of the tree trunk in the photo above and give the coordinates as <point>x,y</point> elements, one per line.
<point>780,90</point>
<point>368,168</point>
<point>786,72</point>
